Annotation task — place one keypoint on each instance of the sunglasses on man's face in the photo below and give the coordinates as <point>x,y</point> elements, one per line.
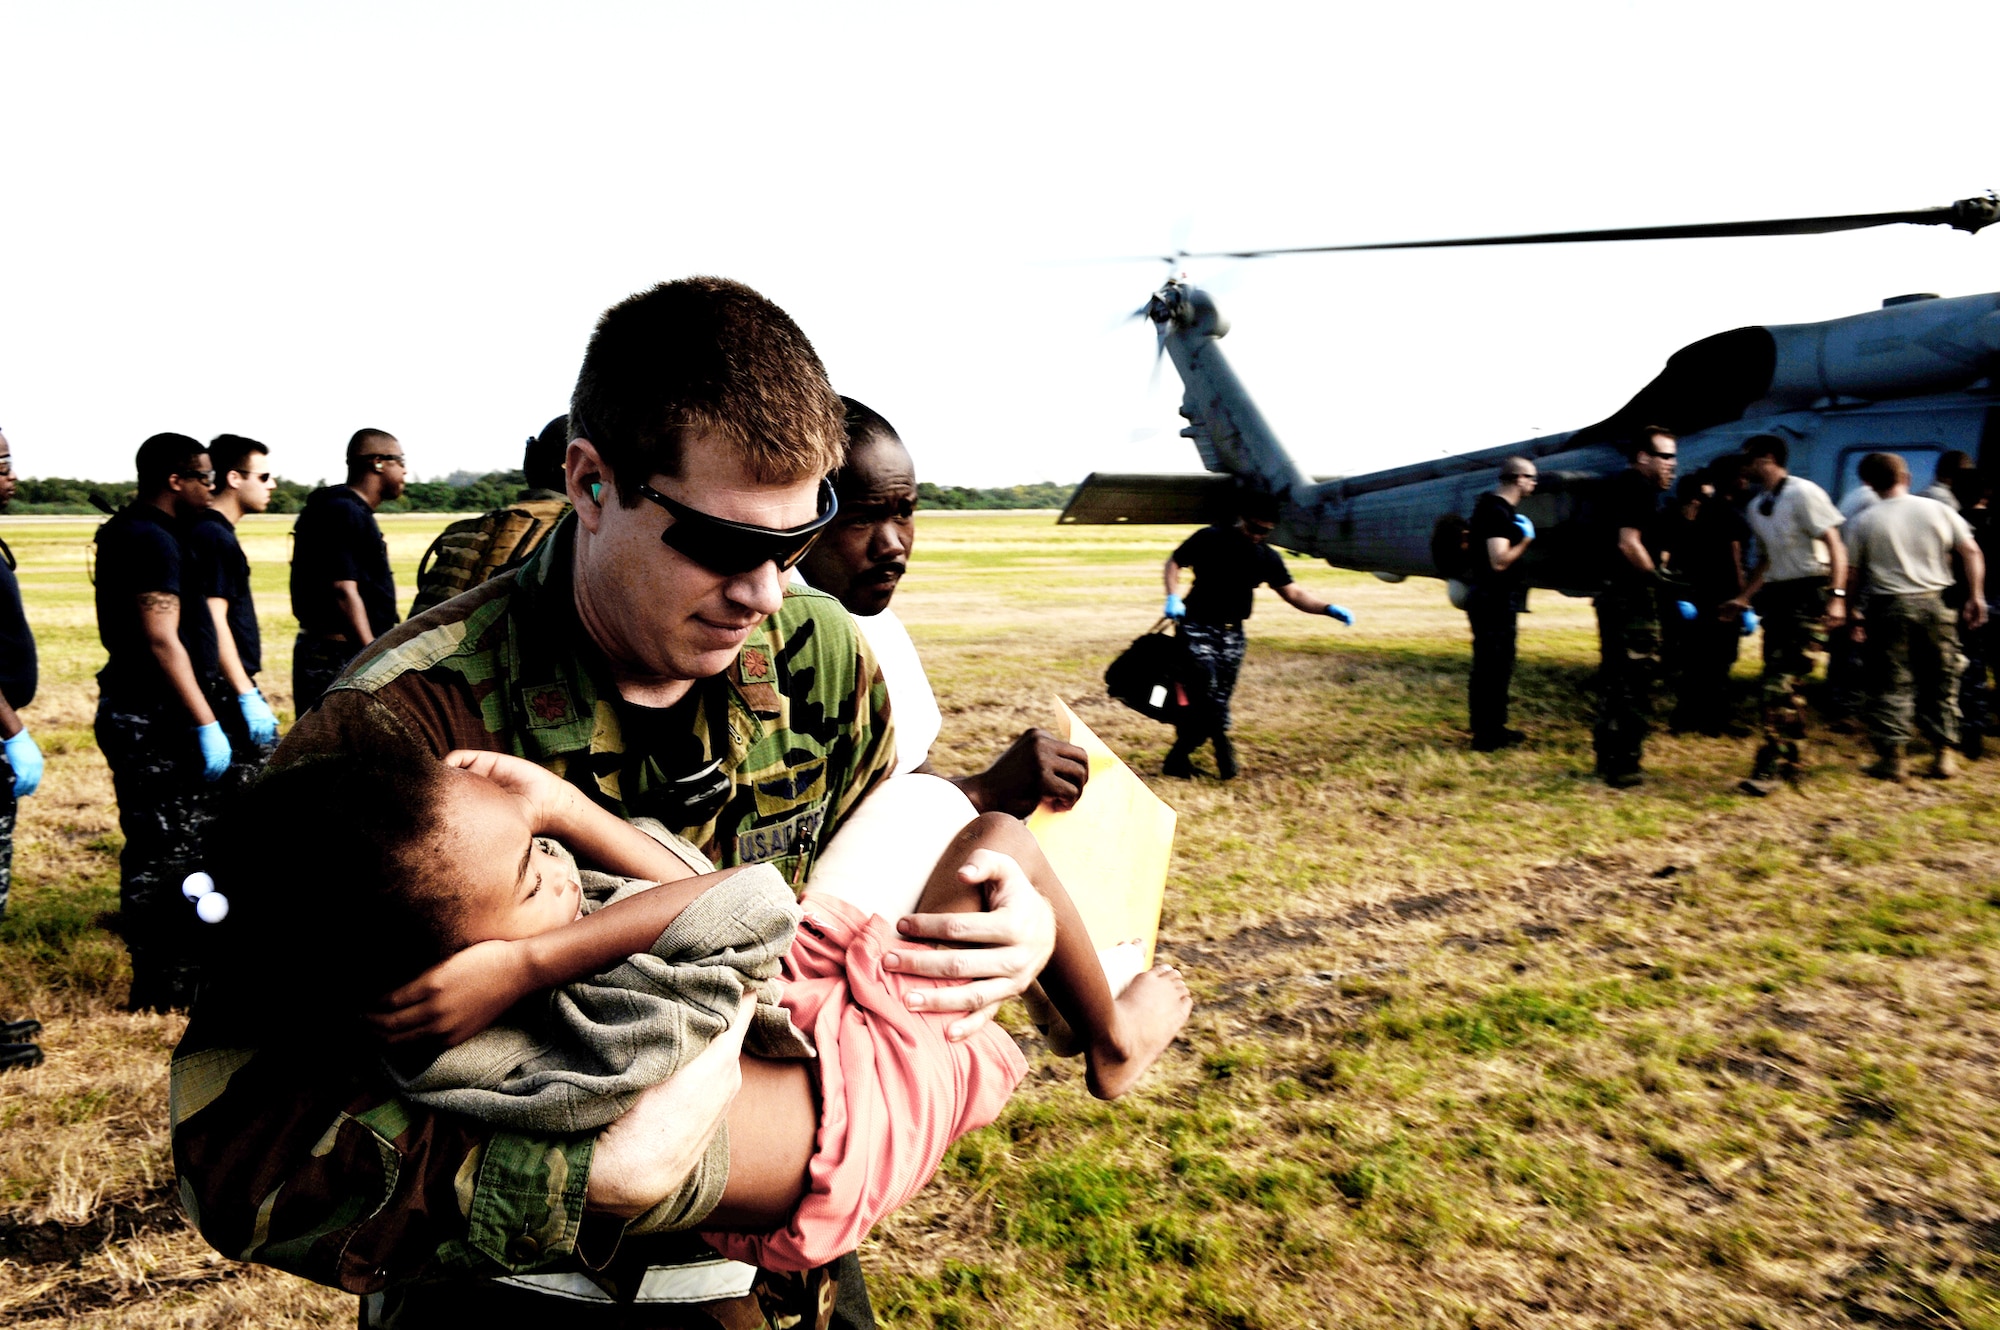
<point>261,477</point>
<point>732,548</point>
<point>205,477</point>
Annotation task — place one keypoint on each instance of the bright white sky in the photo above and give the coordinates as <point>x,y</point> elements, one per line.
<point>290,221</point>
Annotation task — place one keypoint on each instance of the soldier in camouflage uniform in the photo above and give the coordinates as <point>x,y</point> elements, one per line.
<point>1903,548</point>
<point>1230,562</point>
<point>1798,585</point>
<point>1628,616</point>
<point>155,723</point>
<point>653,659</point>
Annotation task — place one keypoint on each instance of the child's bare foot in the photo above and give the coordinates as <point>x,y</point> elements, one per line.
<point>1122,964</point>
<point>1150,1013</point>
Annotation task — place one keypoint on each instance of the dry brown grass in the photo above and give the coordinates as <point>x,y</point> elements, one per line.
<point>1479,1042</point>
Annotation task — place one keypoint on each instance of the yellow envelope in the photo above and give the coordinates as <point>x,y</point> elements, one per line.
<point>1111,849</point>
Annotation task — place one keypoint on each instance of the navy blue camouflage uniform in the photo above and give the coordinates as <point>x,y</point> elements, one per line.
<point>336,539</point>
<point>1628,627</point>
<point>1229,567</point>
<point>148,738</point>
<point>217,570</point>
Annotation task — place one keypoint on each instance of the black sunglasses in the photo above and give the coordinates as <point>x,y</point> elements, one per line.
<point>205,477</point>
<point>261,477</point>
<point>732,548</point>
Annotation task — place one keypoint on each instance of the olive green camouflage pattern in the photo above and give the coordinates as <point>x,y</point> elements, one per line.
<point>1794,623</point>
<point>795,731</point>
<point>1913,667</point>
<point>1628,637</point>
<point>302,1160</point>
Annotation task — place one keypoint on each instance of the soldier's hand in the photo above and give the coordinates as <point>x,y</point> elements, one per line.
<point>547,799</point>
<point>1836,610</point>
<point>643,1155</point>
<point>1975,613</point>
<point>1002,950</point>
<point>458,997</point>
<point>1036,768</point>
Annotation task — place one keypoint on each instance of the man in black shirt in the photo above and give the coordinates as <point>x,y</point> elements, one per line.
<point>20,757</point>
<point>1232,561</point>
<point>155,724</point>
<point>222,576</point>
<point>343,593</point>
<point>1500,536</point>
<point>1704,535</point>
<point>1628,621</point>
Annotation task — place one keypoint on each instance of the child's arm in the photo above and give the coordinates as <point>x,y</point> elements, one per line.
<point>557,808</point>
<point>463,994</point>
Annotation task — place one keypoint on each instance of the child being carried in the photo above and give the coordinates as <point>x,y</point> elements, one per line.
<point>849,1097</point>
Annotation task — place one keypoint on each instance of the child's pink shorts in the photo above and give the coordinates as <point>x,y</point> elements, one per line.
<point>894,1092</point>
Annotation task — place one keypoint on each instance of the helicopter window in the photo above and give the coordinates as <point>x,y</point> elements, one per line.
<point>1921,457</point>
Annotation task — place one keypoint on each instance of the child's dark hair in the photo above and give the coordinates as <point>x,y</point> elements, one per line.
<point>336,891</point>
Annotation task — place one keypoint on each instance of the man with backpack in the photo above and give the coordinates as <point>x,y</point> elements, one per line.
<point>1231,562</point>
<point>477,549</point>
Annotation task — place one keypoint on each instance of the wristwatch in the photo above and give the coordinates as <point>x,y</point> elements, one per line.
<point>1840,593</point>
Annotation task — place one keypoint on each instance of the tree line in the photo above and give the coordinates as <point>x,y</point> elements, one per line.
<point>495,489</point>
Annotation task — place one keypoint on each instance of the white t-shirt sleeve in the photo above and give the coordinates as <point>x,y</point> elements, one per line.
<point>911,700</point>
<point>1816,510</point>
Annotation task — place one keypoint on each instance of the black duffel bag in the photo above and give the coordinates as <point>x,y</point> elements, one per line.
<point>1157,678</point>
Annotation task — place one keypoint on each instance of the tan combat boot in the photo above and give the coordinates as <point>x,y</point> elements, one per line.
<point>1945,765</point>
<point>1891,765</point>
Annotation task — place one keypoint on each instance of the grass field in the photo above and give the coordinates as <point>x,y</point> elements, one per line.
<point>1477,1041</point>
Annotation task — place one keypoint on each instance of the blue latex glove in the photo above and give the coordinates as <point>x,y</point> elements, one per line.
<point>1524,526</point>
<point>25,756</point>
<point>1750,622</point>
<point>1176,607</point>
<point>1346,616</point>
<point>214,750</point>
<point>1686,609</point>
<point>257,714</point>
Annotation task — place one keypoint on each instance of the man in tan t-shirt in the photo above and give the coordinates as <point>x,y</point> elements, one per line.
<point>1901,551</point>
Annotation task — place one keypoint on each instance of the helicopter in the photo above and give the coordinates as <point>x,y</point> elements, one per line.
<point>1916,377</point>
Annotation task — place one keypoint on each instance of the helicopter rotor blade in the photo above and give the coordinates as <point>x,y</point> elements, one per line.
<point>1968,215</point>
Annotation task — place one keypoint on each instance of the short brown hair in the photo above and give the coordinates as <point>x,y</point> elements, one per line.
<point>1882,472</point>
<point>705,357</point>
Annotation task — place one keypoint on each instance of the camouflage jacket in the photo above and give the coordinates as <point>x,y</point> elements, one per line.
<point>308,1163</point>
